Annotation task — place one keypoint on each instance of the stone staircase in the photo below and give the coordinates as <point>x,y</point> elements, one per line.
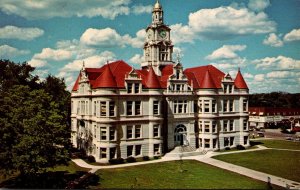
<point>184,151</point>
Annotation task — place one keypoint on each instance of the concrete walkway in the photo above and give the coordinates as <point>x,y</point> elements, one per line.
<point>208,160</point>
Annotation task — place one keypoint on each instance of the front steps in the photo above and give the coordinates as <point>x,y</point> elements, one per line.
<point>184,151</point>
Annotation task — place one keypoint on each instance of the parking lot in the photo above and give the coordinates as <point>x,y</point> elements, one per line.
<point>273,133</point>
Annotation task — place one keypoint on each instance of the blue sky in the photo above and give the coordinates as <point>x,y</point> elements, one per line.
<point>262,37</point>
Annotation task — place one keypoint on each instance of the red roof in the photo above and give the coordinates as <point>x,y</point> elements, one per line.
<point>152,80</point>
<point>207,81</point>
<point>239,81</point>
<point>200,79</point>
<point>106,79</point>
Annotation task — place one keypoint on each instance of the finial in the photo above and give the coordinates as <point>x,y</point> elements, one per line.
<point>83,65</point>
<point>239,69</point>
<point>107,62</point>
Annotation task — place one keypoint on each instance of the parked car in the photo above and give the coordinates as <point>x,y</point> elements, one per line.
<point>260,134</point>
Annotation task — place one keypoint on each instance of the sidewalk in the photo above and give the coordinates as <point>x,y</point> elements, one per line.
<point>208,160</point>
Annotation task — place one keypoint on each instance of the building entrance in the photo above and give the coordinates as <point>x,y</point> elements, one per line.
<point>180,137</point>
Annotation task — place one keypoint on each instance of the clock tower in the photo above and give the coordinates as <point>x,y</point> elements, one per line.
<point>158,47</point>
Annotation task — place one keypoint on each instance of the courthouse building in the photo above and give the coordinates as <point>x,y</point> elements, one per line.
<point>119,111</point>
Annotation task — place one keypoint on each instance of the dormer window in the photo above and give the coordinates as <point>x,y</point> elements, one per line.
<point>177,74</point>
<point>129,88</point>
<point>136,88</point>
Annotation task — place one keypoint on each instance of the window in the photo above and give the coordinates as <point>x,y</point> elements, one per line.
<point>180,106</point>
<point>137,131</point>
<point>214,105</point>
<point>230,89</point>
<point>185,106</point>
<point>206,126</point>
<point>136,88</point>
<point>214,143</point>
<point>95,108</point>
<point>214,126</point>
<point>245,140</point>
<point>103,108</point>
<point>138,108</point>
<point>200,106</point>
<point>231,105</point>
<point>200,126</point>
<point>231,141</point>
<point>102,152</point>
<point>225,88</point>
<point>245,103</point>
<point>129,150</point>
<point>225,124</point>
<point>111,108</point>
<point>226,141</point>
<point>138,150</point>
<point>155,107</point>
<point>231,125</point>
<point>103,133</point>
<point>177,87</point>
<point>195,107</point>
<point>129,108</point>
<point>225,105</point>
<point>206,106</point>
<point>129,87</point>
<point>111,134</point>
<point>112,152</point>
<point>245,122</point>
<point>156,149</point>
<point>207,143</point>
<point>156,131</point>
<point>129,132</point>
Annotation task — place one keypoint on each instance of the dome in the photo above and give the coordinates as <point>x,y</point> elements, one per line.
<point>157,5</point>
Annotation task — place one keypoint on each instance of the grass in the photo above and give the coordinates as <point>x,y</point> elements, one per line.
<point>187,174</point>
<point>71,168</point>
<point>282,144</point>
<point>275,162</point>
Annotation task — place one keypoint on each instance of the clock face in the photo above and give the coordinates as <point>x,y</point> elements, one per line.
<point>162,33</point>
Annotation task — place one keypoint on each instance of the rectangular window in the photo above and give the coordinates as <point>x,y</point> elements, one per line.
<point>155,107</point>
<point>225,105</point>
<point>214,126</point>
<point>138,131</point>
<point>200,126</point>
<point>185,106</point>
<point>226,141</point>
<point>111,108</point>
<point>129,132</point>
<point>206,126</point>
<point>200,140</point>
<point>214,143</point>
<point>213,106</point>
<point>136,88</point>
<point>245,103</point>
<point>231,105</point>
<point>206,106</point>
<point>129,87</point>
<point>195,107</point>
<point>111,134</point>
<point>156,131</point>
<point>245,122</point>
<point>231,125</point>
<point>225,125</point>
<point>177,87</point>
<point>180,106</point>
<point>231,141</point>
<point>156,149</point>
<point>138,108</point>
<point>225,88</point>
<point>200,106</point>
<point>95,108</point>
<point>103,108</point>
<point>129,107</point>
<point>138,150</point>
<point>129,150</point>
<point>102,152</point>
<point>230,89</point>
<point>112,152</point>
<point>207,143</point>
<point>245,140</point>
<point>103,133</point>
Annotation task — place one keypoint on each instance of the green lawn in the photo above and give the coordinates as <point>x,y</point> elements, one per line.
<point>280,163</point>
<point>280,144</point>
<point>188,174</point>
<point>71,168</point>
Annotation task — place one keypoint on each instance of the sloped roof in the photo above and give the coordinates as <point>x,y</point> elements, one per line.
<point>198,76</point>
<point>239,81</point>
<point>106,79</point>
<point>151,80</point>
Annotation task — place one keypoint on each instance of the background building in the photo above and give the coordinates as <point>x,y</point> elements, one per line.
<point>119,111</point>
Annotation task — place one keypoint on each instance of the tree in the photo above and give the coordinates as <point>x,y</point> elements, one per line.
<point>34,132</point>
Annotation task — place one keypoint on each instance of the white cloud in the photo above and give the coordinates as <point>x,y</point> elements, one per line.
<point>140,9</point>
<point>65,8</point>
<point>52,54</point>
<point>37,63</point>
<point>13,32</point>
<point>259,77</point>
<point>258,5</point>
<point>109,37</point>
<point>137,59</point>
<point>292,35</point>
<point>7,52</point>
<point>248,75</point>
<point>279,74</point>
<point>273,40</point>
<point>279,62</point>
<point>226,52</point>
<point>182,34</point>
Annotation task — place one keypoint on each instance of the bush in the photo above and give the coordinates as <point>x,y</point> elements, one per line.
<point>116,161</point>
<point>130,159</point>
<point>156,157</point>
<point>91,159</point>
<point>227,148</point>
<point>240,147</point>
<point>146,158</point>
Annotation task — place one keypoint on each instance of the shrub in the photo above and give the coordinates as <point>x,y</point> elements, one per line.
<point>130,159</point>
<point>116,161</point>
<point>91,159</point>
<point>156,157</point>
<point>240,147</point>
<point>146,158</point>
<point>227,148</point>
